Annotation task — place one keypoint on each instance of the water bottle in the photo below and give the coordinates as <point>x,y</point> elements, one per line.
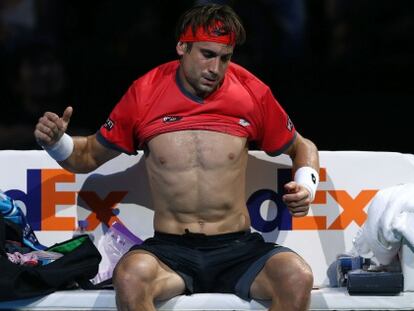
<point>9,209</point>
<point>82,229</point>
<point>13,213</point>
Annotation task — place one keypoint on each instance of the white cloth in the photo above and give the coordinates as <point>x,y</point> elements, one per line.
<point>390,218</point>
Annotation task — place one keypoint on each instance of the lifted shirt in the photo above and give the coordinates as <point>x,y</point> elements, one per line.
<point>157,103</point>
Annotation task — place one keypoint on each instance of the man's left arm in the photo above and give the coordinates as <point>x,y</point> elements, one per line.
<point>300,192</point>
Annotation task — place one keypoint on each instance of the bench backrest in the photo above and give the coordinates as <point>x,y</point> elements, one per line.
<point>55,199</point>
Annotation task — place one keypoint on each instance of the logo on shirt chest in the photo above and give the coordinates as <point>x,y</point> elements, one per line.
<point>169,119</point>
<point>289,124</point>
<point>109,124</point>
<point>244,122</point>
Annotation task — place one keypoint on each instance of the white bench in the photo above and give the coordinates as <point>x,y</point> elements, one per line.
<point>322,299</point>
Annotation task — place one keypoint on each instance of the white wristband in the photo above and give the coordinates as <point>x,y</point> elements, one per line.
<point>309,178</point>
<point>62,149</point>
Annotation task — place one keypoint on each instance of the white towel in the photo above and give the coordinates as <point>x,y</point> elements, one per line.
<point>390,218</point>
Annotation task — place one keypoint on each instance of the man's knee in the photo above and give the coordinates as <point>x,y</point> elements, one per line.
<point>300,273</point>
<point>299,286</point>
<point>135,269</point>
<point>293,274</point>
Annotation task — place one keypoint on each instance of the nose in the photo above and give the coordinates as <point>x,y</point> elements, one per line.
<point>214,66</point>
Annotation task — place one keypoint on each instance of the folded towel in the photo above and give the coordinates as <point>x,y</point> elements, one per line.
<point>390,218</point>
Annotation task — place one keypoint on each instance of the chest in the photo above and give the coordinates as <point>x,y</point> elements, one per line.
<point>209,150</point>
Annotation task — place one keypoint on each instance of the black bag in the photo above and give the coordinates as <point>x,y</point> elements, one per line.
<point>79,264</point>
<point>362,282</point>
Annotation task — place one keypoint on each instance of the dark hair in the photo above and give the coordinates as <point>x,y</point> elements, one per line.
<point>208,15</point>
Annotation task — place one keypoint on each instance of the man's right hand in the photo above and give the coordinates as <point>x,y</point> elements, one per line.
<point>50,127</point>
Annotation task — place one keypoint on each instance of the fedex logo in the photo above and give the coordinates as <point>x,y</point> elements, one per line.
<point>353,208</point>
<point>41,200</point>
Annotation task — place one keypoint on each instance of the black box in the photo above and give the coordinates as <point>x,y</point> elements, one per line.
<point>362,282</point>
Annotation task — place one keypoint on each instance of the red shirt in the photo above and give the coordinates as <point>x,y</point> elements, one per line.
<point>157,103</point>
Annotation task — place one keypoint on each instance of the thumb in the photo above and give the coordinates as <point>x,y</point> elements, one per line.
<point>291,187</point>
<point>67,114</point>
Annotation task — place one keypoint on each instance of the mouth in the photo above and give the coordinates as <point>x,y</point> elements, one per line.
<point>209,81</point>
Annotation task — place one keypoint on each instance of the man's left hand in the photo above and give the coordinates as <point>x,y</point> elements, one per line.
<point>297,198</point>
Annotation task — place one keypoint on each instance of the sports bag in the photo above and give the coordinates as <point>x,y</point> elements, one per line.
<point>79,264</point>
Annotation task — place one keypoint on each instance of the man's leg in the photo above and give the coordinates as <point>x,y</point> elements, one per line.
<point>287,280</point>
<point>139,278</point>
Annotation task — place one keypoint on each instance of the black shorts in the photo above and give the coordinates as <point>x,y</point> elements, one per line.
<point>225,263</point>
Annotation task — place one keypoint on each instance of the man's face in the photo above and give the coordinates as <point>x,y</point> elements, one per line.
<point>203,67</point>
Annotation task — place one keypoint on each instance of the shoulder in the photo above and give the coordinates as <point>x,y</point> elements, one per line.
<point>148,86</point>
<point>247,79</point>
<point>157,76</point>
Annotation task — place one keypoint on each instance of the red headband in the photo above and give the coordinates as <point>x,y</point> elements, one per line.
<point>215,33</point>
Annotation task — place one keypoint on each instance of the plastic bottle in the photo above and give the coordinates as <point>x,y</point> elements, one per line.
<point>82,229</point>
<point>9,209</point>
<point>13,213</point>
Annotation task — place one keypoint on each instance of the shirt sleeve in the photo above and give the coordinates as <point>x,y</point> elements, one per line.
<point>277,130</point>
<point>119,130</point>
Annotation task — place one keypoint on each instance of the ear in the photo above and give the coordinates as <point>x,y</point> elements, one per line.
<point>181,48</point>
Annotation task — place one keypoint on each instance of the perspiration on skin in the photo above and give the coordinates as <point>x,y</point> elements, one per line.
<point>199,182</point>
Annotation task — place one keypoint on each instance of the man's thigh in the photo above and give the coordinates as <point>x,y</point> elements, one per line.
<point>163,281</point>
<point>273,280</point>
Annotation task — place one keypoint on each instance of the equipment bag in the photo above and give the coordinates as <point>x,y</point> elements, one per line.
<point>79,264</point>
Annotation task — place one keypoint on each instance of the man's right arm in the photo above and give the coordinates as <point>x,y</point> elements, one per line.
<point>77,154</point>
<point>87,155</point>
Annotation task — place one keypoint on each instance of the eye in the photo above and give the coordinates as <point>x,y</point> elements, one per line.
<point>208,54</point>
<point>225,58</point>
